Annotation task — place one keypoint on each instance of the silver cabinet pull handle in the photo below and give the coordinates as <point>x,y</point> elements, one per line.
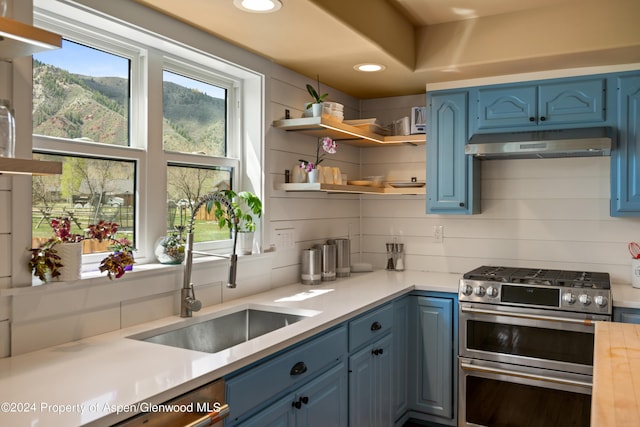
<point>211,418</point>
<point>470,367</point>
<point>584,322</point>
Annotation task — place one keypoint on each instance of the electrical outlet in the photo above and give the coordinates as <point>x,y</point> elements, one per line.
<point>285,238</point>
<point>438,233</point>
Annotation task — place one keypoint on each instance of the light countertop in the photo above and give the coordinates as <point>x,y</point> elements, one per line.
<point>87,382</point>
<point>616,378</point>
<point>625,296</point>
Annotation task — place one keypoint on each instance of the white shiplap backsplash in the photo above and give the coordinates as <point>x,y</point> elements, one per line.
<point>548,213</point>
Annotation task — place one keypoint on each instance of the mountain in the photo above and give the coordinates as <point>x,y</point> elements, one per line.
<point>71,105</point>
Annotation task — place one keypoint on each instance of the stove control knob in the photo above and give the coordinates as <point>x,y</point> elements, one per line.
<point>479,291</point>
<point>492,292</point>
<point>569,298</point>
<point>466,289</point>
<point>601,300</point>
<point>584,299</point>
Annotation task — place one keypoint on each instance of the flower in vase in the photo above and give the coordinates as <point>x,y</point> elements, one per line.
<point>324,146</point>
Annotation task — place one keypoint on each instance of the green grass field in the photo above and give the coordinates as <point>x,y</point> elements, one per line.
<point>205,230</point>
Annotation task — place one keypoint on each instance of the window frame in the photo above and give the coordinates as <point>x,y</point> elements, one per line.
<point>145,134</point>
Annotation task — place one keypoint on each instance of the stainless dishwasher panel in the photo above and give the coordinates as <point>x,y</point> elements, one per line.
<point>205,406</point>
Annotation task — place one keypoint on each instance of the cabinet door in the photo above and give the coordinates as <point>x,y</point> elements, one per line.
<point>450,172</point>
<point>280,414</point>
<point>626,315</point>
<point>432,386</point>
<point>506,107</point>
<point>370,385</point>
<point>324,400</point>
<point>625,170</point>
<point>575,101</point>
<point>401,314</point>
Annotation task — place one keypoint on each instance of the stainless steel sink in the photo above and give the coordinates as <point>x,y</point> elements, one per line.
<point>220,333</point>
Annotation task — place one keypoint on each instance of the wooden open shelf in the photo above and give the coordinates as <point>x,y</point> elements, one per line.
<point>353,189</point>
<point>347,134</point>
<point>20,39</point>
<point>10,165</point>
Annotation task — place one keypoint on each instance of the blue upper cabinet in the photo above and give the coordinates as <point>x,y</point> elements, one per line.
<point>450,173</point>
<point>625,158</point>
<point>500,107</point>
<point>550,103</point>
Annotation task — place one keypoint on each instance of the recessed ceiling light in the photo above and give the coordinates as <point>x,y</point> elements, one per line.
<point>369,68</point>
<point>258,6</point>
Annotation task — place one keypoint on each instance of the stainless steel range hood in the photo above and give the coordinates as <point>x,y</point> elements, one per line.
<point>584,142</point>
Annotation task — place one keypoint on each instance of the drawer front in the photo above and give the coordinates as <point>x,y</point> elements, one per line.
<point>295,367</point>
<point>370,326</point>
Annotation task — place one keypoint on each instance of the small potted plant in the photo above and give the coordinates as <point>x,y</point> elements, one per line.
<point>314,108</point>
<point>324,146</point>
<point>52,259</point>
<point>245,206</point>
<point>169,249</point>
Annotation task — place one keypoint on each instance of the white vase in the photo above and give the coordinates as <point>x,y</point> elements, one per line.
<point>316,110</point>
<point>71,258</point>
<point>245,242</point>
<point>313,176</point>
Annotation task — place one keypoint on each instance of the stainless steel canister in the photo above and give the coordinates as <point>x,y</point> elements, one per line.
<point>328,262</point>
<point>343,256</point>
<point>311,267</point>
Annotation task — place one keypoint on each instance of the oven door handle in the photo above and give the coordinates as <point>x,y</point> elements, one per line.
<point>211,418</point>
<point>584,322</point>
<point>562,381</point>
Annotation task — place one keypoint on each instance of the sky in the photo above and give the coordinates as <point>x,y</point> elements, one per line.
<point>79,59</point>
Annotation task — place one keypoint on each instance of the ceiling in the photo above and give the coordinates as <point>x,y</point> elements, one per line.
<point>418,41</point>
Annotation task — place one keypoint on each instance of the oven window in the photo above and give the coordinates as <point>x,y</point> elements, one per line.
<point>496,403</point>
<point>527,341</point>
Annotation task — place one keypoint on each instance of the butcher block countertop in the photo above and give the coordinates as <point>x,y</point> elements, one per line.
<point>616,375</point>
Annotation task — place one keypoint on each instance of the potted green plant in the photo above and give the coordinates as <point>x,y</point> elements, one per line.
<point>169,249</point>
<point>51,258</point>
<point>245,206</point>
<point>315,107</point>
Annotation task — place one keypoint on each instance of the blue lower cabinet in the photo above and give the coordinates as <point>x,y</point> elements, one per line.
<point>370,384</point>
<point>626,315</point>
<point>374,370</point>
<point>259,387</point>
<point>400,392</point>
<point>433,351</point>
<point>320,403</point>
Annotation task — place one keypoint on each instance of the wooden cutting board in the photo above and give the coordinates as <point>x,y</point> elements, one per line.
<point>616,375</point>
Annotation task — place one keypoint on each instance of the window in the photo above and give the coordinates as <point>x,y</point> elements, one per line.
<point>130,141</point>
<point>89,190</point>
<point>185,186</point>
<point>81,93</point>
<point>194,115</point>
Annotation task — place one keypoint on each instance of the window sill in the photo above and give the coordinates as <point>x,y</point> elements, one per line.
<point>140,271</point>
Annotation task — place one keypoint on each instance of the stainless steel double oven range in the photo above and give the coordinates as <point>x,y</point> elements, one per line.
<point>526,345</point>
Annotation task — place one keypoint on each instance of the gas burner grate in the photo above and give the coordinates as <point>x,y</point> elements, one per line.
<point>532,276</point>
<point>490,273</point>
<point>543,277</point>
<point>584,279</point>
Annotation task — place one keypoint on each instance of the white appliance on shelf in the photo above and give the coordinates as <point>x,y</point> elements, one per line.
<point>418,120</point>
